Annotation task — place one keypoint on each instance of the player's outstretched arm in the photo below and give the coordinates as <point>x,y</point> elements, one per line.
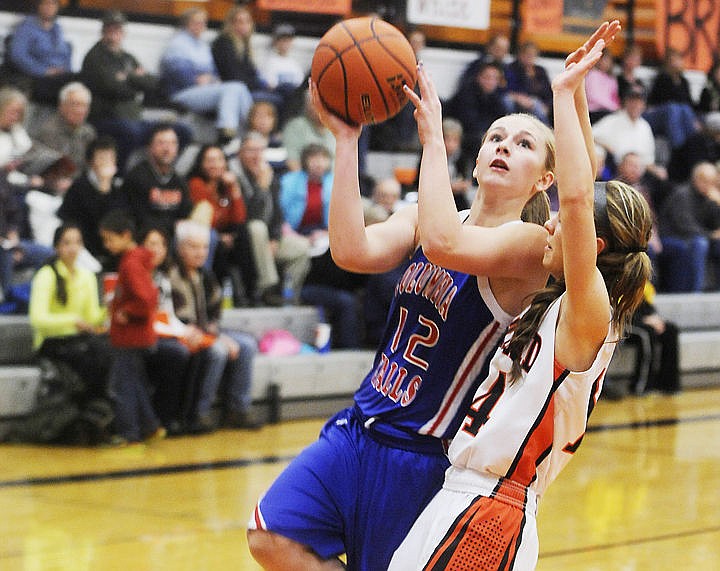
<point>585,313</point>
<point>374,249</point>
<point>606,32</point>
<point>440,227</point>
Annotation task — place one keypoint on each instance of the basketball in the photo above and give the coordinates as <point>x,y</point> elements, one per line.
<point>360,66</point>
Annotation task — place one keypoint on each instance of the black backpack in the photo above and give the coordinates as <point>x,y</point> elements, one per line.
<point>55,408</point>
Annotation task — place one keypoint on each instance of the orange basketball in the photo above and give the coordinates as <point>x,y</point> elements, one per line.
<point>360,66</point>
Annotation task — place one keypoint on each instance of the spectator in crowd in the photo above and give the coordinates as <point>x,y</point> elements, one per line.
<point>385,199</point>
<point>496,51</point>
<point>175,339</point>
<point>528,84</point>
<point>120,85</point>
<point>689,220</point>
<point>197,301</point>
<point>417,40</point>
<point>460,164</point>
<point>16,251</point>
<point>656,340</point>
<point>281,72</point>
<point>602,172</point>
<point>263,118</point>
<point>703,146</point>
<point>601,87</point>
<point>633,171</point>
<point>710,95</point>
<point>132,336</point>
<point>305,200</point>
<point>211,181</point>
<point>477,105</point>
<point>42,204</point>
<point>627,77</point>
<point>398,133</point>
<point>191,79</point>
<point>156,193</point>
<point>40,52</point>
<point>301,131</point>
<point>92,195</point>
<point>67,320</point>
<point>21,158</point>
<point>305,193</point>
<point>380,288</point>
<point>626,131</point>
<point>232,49</point>
<point>67,130</point>
<point>274,243</point>
<point>670,104</point>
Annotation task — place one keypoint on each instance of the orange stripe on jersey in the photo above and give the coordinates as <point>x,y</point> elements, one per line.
<point>539,440</point>
<point>486,536</point>
<point>558,370</point>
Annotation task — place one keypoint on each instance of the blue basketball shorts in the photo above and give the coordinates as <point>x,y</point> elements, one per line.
<point>349,493</point>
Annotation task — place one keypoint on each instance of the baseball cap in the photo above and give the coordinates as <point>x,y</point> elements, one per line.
<point>283,31</point>
<point>114,18</point>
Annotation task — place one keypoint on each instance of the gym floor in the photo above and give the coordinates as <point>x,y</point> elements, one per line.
<point>641,494</point>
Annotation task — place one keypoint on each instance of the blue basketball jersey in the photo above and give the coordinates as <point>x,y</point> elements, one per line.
<point>441,328</point>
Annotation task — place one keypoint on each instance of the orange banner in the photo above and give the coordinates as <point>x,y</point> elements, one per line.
<point>341,7</point>
<point>542,16</point>
<point>691,27</point>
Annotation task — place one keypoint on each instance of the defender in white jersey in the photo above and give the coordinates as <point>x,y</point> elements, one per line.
<point>359,487</point>
<point>530,413</point>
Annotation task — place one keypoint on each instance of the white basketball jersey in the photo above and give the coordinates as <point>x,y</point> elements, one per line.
<point>528,429</point>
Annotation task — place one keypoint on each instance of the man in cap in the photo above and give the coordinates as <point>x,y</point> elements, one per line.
<point>281,70</point>
<point>119,84</point>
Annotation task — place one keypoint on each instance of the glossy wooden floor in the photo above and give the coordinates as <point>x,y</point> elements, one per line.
<point>642,494</point>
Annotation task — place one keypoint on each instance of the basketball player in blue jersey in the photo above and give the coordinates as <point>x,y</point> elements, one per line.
<point>530,414</point>
<point>376,464</point>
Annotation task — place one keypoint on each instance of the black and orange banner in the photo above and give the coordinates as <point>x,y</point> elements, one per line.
<point>341,7</point>
<point>690,26</point>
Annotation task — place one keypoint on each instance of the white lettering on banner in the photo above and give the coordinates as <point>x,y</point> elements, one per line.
<point>474,14</point>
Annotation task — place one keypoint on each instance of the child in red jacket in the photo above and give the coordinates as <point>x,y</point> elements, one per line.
<point>132,336</point>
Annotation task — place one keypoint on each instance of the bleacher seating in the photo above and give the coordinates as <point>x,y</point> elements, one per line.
<point>307,384</point>
<point>146,42</point>
<point>318,384</point>
<point>313,384</point>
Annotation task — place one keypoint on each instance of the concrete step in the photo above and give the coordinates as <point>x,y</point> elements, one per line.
<point>336,373</point>
<point>16,333</point>
<point>690,310</point>
<point>313,375</point>
<point>698,355</point>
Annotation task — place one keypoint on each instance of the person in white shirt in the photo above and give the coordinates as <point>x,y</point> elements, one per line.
<point>280,70</point>
<point>626,131</point>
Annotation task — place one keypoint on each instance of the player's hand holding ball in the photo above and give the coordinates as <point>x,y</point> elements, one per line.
<point>359,70</point>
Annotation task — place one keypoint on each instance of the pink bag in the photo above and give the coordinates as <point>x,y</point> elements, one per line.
<point>279,342</point>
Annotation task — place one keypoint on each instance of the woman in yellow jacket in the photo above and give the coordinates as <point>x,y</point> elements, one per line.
<point>65,313</point>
